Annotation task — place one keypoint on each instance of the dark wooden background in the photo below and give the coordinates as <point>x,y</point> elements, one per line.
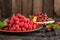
<point>26,7</point>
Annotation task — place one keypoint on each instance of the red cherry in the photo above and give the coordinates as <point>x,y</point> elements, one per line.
<point>48,29</point>
<point>57,23</point>
<point>44,14</point>
<point>53,28</point>
<point>38,13</point>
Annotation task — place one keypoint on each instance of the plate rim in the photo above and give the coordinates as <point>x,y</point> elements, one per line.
<point>21,31</point>
<point>46,22</point>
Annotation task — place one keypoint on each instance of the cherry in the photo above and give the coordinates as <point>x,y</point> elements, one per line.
<point>53,28</point>
<point>48,29</point>
<point>57,23</point>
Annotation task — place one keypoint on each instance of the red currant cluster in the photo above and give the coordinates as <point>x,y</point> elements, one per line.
<point>41,17</point>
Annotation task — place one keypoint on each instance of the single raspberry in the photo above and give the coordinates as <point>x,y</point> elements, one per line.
<point>17,26</point>
<point>18,15</point>
<point>11,29</point>
<point>23,29</point>
<point>16,19</point>
<point>11,21</point>
<point>17,22</point>
<point>13,17</point>
<point>26,25</point>
<point>21,24</point>
<point>30,27</point>
<point>18,29</point>
<point>34,26</point>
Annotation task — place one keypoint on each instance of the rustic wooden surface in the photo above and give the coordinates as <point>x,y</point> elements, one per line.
<point>26,7</point>
<point>48,7</point>
<point>6,8</point>
<point>57,8</point>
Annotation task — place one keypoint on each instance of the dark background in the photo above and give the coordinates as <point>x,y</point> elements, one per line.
<point>26,7</point>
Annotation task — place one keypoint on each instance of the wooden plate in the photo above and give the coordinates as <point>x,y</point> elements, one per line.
<point>40,27</point>
<point>47,22</point>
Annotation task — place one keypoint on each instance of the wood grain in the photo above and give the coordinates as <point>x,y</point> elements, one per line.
<point>57,8</point>
<point>0,8</point>
<point>49,7</point>
<point>6,8</point>
<point>26,7</point>
<point>37,6</point>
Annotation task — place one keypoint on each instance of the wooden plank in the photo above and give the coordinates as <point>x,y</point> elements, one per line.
<point>57,8</point>
<point>49,7</point>
<point>6,8</point>
<point>14,7</point>
<point>37,6</point>
<point>18,5</point>
<point>0,8</point>
<point>26,7</point>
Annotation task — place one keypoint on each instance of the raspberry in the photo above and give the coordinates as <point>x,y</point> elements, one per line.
<point>25,20</point>
<point>14,28</point>
<point>16,19</point>
<point>26,25</point>
<point>13,17</point>
<point>5,28</point>
<point>34,26</point>
<point>11,29</point>
<point>30,22</point>
<point>23,29</point>
<point>18,15</point>
<point>11,22</point>
<point>20,20</point>
<point>18,29</point>
<point>17,26</point>
<point>21,23</point>
<point>9,25</point>
<point>17,22</point>
<point>30,27</point>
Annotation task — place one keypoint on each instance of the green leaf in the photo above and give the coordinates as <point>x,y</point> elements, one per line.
<point>2,24</point>
<point>56,26</point>
<point>48,26</point>
<point>5,20</point>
